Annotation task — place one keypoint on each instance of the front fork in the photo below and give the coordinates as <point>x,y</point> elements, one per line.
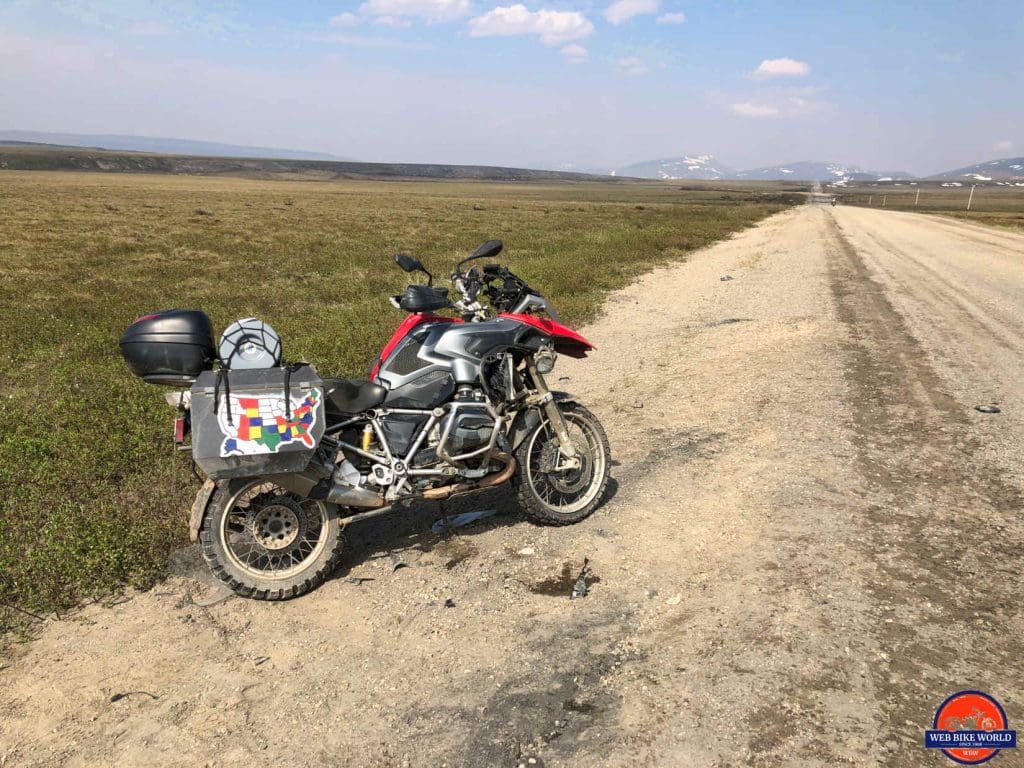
<point>547,402</point>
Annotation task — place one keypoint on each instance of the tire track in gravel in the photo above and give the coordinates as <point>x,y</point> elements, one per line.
<point>946,534</point>
<point>764,661</point>
<point>942,292</point>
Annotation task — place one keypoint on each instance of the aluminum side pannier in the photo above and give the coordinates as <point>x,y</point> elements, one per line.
<point>256,422</point>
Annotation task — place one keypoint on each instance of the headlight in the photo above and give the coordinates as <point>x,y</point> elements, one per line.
<point>545,360</point>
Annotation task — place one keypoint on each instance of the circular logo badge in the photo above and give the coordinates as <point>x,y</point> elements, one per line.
<point>975,722</point>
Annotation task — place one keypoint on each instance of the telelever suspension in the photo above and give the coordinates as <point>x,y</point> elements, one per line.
<point>547,401</point>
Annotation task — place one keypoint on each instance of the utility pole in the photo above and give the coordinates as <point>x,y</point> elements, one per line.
<point>918,197</point>
<point>969,199</point>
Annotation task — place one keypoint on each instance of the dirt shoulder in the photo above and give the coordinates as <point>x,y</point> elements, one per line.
<point>809,546</point>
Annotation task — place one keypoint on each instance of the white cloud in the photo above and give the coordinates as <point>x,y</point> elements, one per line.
<point>672,18</point>
<point>631,65</point>
<point>552,27</point>
<point>751,109</point>
<point>780,68</point>
<point>430,11</point>
<point>1004,145</point>
<point>623,10</point>
<point>575,54</point>
<point>344,20</point>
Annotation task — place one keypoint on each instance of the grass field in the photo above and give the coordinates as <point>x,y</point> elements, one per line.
<point>91,494</point>
<point>993,204</point>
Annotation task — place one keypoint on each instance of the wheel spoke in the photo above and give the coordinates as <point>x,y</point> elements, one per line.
<point>271,532</point>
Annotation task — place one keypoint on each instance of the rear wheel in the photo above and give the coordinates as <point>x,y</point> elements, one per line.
<point>266,542</point>
<point>552,496</point>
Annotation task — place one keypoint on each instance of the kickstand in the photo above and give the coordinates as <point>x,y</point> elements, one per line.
<point>445,519</point>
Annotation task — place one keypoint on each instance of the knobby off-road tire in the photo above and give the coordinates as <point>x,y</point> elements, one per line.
<point>562,498</point>
<point>266,543</point>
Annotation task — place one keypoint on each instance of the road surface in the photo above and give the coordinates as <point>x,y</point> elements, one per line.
<point>814,539</point>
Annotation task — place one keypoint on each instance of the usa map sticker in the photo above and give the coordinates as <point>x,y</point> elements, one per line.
<point>261,425</point>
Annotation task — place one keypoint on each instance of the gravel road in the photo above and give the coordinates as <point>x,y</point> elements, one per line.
<point>813,539</point>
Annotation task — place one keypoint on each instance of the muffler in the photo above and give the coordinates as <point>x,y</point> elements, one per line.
<point>345,495</point>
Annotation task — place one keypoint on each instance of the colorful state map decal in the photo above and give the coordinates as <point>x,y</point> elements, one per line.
<point>261,426</point>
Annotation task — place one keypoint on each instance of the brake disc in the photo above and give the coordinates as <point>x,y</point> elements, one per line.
<point>567,481</point>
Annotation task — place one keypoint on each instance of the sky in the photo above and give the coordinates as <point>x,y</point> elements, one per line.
<point>915,86</point>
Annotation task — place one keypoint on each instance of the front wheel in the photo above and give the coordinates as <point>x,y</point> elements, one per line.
<point>552,496</point>
<point>265,542</point>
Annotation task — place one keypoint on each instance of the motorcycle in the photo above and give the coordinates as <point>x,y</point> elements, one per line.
<point>453,405</point>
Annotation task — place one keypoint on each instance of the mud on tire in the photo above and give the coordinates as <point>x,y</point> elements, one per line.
<point>266,543</point>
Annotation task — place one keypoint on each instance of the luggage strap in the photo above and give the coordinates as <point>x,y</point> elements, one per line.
<point>222,376</point>
<point>289,369</point>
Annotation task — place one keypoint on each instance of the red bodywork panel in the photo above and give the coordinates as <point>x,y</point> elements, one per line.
<point>404,330</point>
<point>567,341</point>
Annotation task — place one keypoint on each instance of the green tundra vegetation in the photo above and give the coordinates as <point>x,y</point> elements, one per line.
<point>92,495</point>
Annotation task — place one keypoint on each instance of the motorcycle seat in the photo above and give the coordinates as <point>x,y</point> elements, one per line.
<point>351,396</point>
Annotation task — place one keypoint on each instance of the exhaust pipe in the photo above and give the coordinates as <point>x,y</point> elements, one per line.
<point>487,481</point>
<point>345,495</point>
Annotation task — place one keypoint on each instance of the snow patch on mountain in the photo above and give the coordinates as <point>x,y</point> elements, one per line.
<point>704,167</point>
<point>1007,169</point>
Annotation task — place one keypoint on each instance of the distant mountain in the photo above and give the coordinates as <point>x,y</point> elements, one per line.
<point>709,168</point>
<point>1008,169</point>
<point>686,167</point>
<point>803,171</point>
<point>157,145</point>
<point>28,156</point>
<point>892,176</point>
<point>573,168</point>
<point>814,171</point>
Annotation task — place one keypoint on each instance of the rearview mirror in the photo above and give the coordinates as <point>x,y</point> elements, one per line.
<point>487,250</point>
<point>408,263</point>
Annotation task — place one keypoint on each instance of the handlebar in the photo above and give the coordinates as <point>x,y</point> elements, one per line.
<point>469,284</point>
<point>504,289</point>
